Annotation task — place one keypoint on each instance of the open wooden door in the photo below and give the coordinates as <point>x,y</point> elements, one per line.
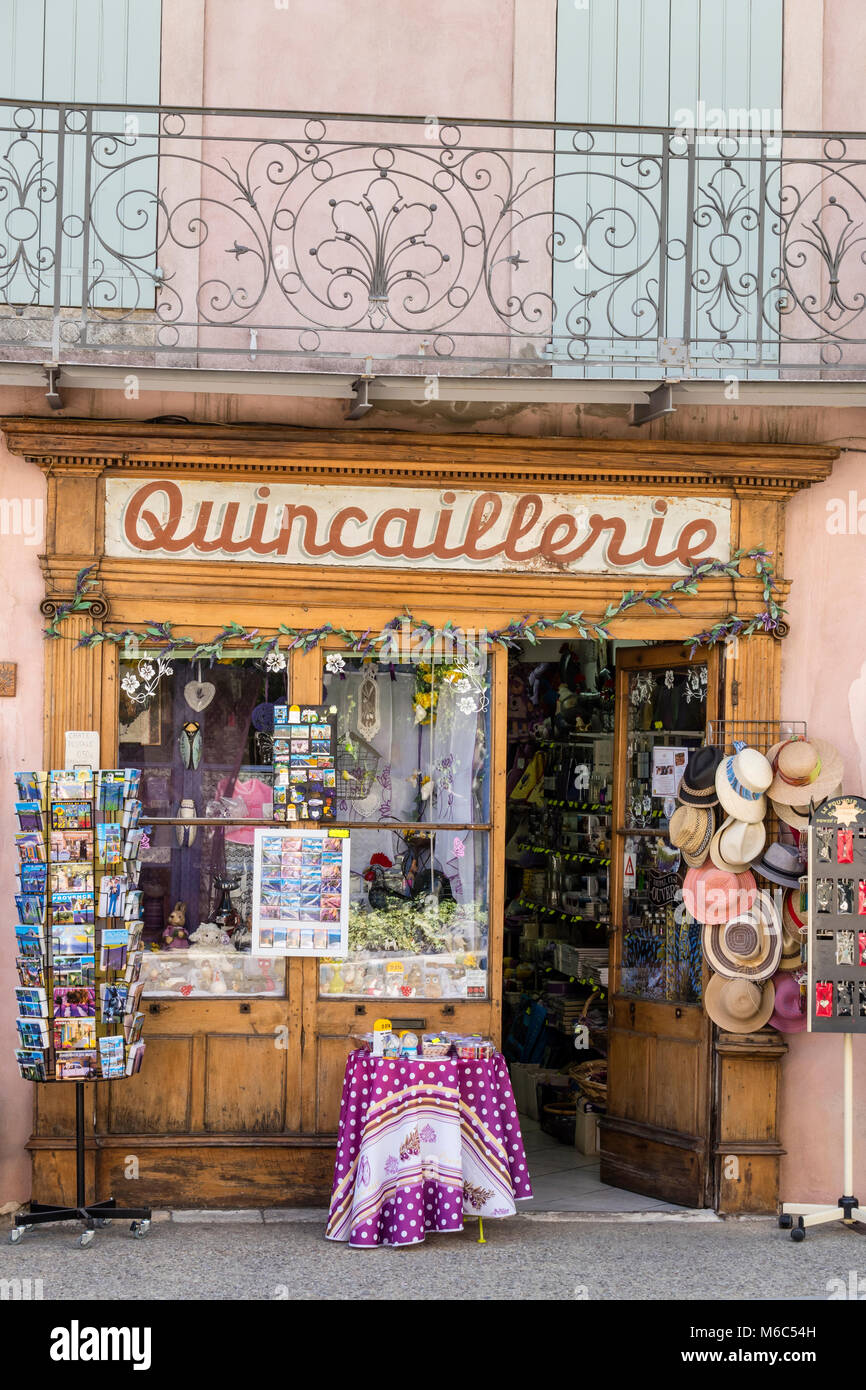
<point>655,1138</point>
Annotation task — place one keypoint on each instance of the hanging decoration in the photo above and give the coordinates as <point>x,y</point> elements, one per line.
<point>141,688</point>
<point>161,636</point>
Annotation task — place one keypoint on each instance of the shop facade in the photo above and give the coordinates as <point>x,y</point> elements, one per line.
<point>238,1101</point>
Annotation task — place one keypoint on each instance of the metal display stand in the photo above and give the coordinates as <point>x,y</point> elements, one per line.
<point>841,975</point>
<point>796,1216</point>
<point>93,1214</point>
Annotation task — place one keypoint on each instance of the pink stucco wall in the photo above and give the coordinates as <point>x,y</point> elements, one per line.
<point>824,682</point>
<point>21,487</point>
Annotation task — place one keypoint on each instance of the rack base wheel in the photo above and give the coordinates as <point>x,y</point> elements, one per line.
<point>17,1233</point>
<point>85,1239</point>
<point>799,1231</point>
<point>138,1229</point>
<point>786,1221</point>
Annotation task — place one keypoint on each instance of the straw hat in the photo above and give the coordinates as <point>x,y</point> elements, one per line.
<point>690,830</point>
<point>698,782</point>
<point>804,770</point>
<point>791,957</point>
<point>736,843</point>
<point>780,864</point>
<point>712,895</point>
<point>787,1015</point>
<point>739,1006</point>
<point>797,816</point>
<point>748,945</point>
<point>741,781</point>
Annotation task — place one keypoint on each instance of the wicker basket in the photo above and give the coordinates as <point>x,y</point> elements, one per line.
<point>357,762</point>
<point>591,1078</point>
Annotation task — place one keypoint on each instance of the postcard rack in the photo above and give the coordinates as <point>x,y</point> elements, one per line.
<point>78,956</point>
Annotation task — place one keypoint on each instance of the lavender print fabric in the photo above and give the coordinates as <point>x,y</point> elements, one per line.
<point>421,1144</point>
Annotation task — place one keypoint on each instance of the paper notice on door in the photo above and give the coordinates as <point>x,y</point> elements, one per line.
<point>669,764</point>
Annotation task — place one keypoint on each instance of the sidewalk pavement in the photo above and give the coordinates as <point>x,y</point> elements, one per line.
<point>532,1257</point>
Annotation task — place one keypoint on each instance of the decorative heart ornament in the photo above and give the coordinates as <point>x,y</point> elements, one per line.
<point>198,694</point>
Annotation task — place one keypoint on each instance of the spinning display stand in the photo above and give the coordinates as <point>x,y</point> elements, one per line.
<point>92,1214</point>
<point>836,974</point>
<point>78,944</point>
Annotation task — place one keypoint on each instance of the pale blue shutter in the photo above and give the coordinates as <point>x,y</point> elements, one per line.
<point>92,51</point>
<point>639,62</point>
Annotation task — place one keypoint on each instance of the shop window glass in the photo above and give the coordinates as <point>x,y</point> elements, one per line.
<point>662,951</point>
<point>202,737</point>
<point>413,752</point>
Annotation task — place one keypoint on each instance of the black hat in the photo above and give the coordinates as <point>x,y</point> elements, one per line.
<point>698,784</point>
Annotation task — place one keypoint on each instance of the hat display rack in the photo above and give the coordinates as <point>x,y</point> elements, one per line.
<point>752,942</point>
<point>836,975</point>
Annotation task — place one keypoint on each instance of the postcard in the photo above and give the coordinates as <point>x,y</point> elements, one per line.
<point>109,845</point>
<point>31,848</point>
<point>74,908</point>
<point>112,1060</point>
<point>132,1026</point>
<point>112,895</point>
<point>134,1057</point>
<point>28,945</point>
<point>71,846</point>
<point>32,1001</point>
<point>72,1001</point>
<point>31,1063</point>
<point>31,786</point>
<point>31,908</point>
<point>71,815</point>
<point>74,1033</point>
<point>31,971</point>
<point>74,970</point>
<point>29,815</point>
<point>71,939</point>
<point>70,784</point>
<point>77,1065</point>
<point>32,878</point>
<point>33,1032</point>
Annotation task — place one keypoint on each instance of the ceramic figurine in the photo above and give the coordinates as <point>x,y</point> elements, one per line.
<point>219,985</point>
<point>185,834</point>
<point>190,744</point>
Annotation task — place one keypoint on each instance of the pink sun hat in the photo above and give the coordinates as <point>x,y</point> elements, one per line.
<point>786,1014</point>
<point>713,895</point>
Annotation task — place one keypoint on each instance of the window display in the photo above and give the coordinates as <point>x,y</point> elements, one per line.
<point>413,755</point>
<point>203,738</point>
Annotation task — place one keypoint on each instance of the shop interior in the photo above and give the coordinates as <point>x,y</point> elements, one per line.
<point>413,780</point>
<point>569,828</point>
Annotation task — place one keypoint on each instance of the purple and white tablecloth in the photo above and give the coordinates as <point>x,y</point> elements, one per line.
<point>421,1144</point>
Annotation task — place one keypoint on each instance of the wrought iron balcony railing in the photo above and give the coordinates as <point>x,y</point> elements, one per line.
<point>285,241</point>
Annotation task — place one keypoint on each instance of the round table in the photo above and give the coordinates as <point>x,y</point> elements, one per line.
<point>422,1143</point>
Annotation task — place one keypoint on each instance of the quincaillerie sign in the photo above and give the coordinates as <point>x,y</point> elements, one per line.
<point>418,528</point>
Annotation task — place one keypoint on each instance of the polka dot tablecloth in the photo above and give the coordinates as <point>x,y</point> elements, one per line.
<point>423,1143</point>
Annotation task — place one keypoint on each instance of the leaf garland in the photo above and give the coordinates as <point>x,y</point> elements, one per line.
<point>520,631</point>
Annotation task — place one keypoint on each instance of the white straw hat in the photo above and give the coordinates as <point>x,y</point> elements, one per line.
<point>741,781</point>
<point>736,844</point>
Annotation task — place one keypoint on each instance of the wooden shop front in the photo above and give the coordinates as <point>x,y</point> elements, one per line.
<point>238,1099</point>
